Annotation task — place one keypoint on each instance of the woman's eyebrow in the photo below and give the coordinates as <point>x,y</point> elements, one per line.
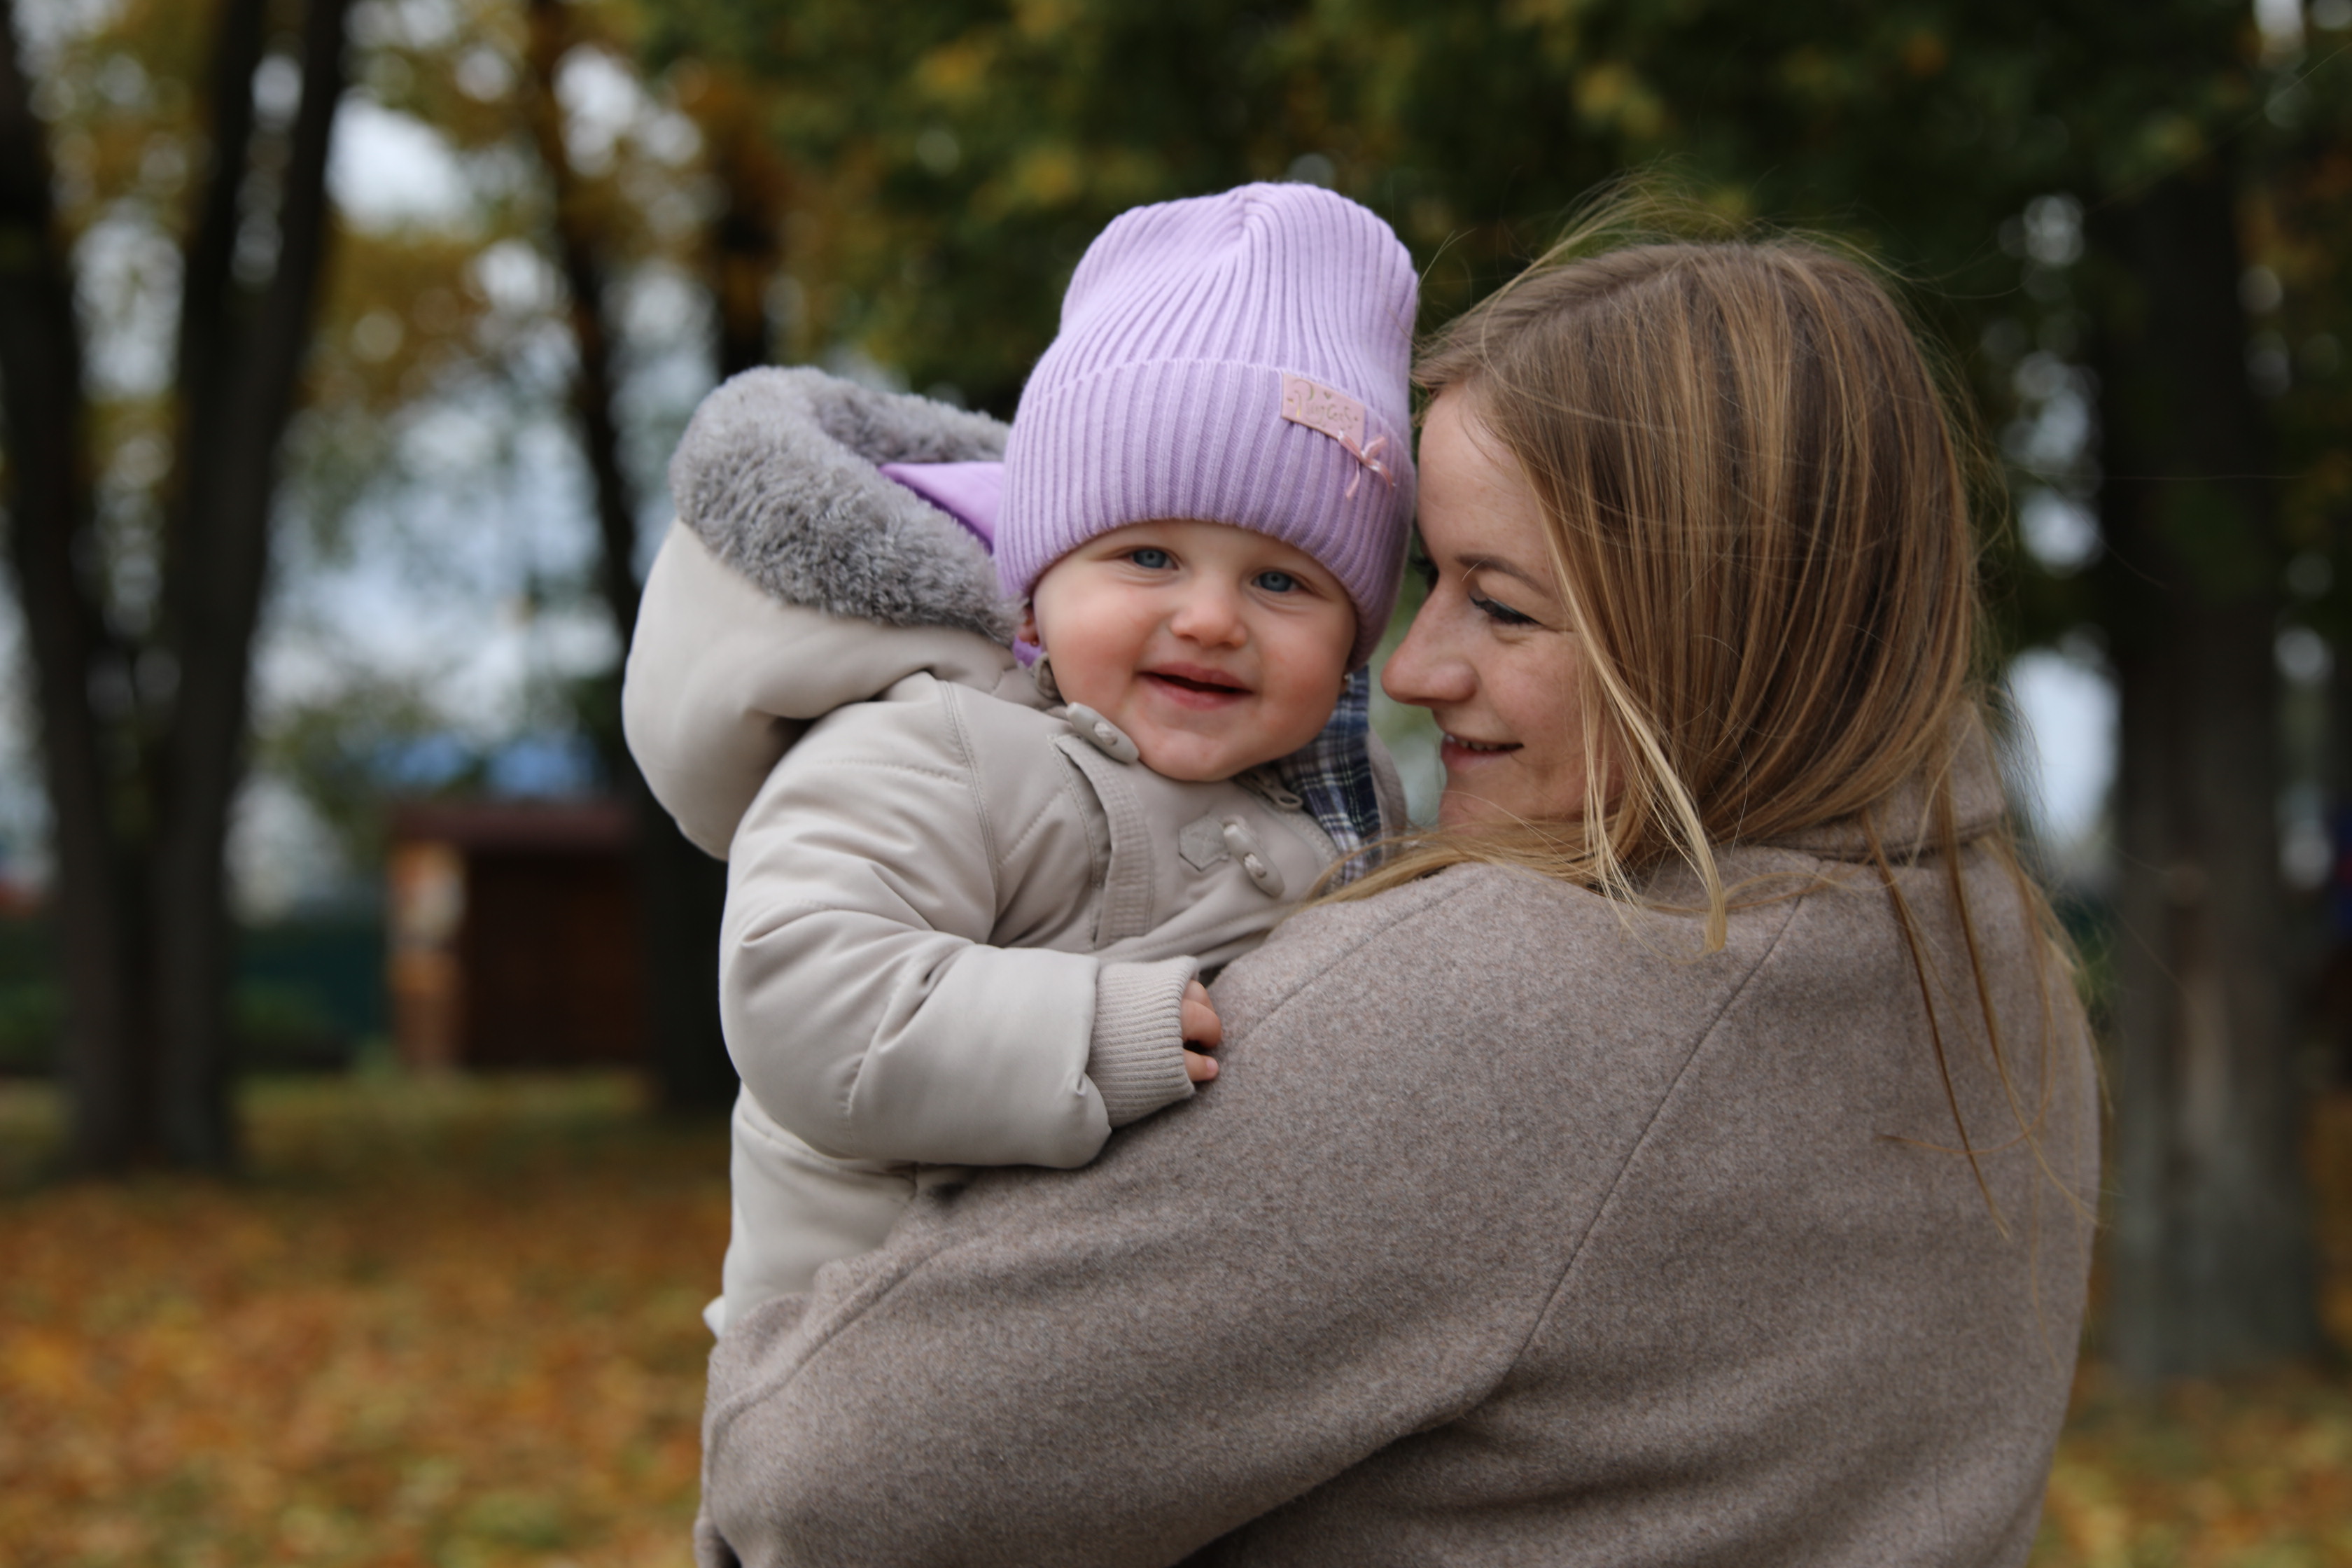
<point>1496,563</point>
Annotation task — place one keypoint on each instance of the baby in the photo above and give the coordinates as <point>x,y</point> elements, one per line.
<point>970,899</point>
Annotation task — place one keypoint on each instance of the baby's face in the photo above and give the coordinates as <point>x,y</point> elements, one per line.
<point>1213,647</point>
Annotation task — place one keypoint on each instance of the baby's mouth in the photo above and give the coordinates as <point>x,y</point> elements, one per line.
<point>1205,682</point>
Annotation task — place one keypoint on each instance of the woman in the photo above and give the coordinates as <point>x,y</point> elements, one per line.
<point>1682,1156</point>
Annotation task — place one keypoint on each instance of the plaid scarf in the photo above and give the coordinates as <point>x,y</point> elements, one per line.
<point>1332,773</point>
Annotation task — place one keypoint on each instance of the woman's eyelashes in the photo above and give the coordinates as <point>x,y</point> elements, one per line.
<point>1499,612</point>
<point>1494,610</point>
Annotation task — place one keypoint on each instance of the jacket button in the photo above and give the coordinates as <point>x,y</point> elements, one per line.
<point>1101,733</point>
<point>1244,845</point>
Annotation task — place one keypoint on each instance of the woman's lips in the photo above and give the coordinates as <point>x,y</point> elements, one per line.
<point>1456,752</point>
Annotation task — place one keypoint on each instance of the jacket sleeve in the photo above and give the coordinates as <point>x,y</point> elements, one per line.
<point>1117,1366</point>
<point>861,1002</point>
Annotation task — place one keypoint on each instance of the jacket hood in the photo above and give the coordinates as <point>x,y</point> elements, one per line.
<point>798,579</point>
<point>777,475</point>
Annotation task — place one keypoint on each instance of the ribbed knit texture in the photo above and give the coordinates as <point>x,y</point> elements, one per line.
<point>1162,397</point>
<point>1137,1059</point>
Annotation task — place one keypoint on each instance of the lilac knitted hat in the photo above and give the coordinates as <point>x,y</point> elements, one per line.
<point>1237,358</point>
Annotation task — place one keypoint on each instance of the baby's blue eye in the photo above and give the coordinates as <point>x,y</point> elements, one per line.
<point>1151,558</point>
<point>1277,581</point>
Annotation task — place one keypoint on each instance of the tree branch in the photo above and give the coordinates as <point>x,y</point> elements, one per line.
<point>584,278</point>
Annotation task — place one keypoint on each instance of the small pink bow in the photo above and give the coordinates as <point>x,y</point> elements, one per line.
<point>1365,455</point>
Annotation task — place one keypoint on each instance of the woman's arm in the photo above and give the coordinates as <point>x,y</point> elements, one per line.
<point>1346,1245</point>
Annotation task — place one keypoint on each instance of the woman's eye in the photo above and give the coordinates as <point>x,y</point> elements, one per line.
<point>1277,581</point>
<point>1499,612</point>
<point>1151,558</point>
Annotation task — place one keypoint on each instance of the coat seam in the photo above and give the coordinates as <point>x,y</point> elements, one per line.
<point>1035,824</point>
<point>950,703</point>
<point>845,1111</point>
<point>789,913</point>
<point>1640,1140</point>
<point>874,766</point>
<point>841,1317</point>
<point>1286,997</point>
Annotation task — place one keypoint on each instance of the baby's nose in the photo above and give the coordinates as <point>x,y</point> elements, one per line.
<point>1209,615</point>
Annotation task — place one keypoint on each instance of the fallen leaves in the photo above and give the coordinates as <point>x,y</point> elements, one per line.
<point>2246,1473</point>
<point>455,1324</point>
<point>449,1324</point>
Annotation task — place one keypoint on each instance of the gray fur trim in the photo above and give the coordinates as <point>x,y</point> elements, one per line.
<point>776,473</point>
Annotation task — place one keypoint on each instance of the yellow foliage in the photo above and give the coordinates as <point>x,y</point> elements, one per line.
<point>957,73</point>
<point>440,1323</point>
<point>1043,176</point>
<point>2170,141</point>
<point>2218,1475</point>
<point>456,1322</point>
<point>1925,54</point>
<point>1612,93</point>
<point>1043,20</point>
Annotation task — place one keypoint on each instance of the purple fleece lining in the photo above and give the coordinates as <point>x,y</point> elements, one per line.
<point>968,493</point>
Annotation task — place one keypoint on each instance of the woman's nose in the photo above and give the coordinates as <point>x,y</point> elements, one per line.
<point>1425,671</point>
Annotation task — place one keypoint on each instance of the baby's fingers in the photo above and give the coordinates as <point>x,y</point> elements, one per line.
<point>1198,1017</point>
<point>1198,1068</point>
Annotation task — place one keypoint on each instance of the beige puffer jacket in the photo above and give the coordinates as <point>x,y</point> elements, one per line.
<point>959,925</point>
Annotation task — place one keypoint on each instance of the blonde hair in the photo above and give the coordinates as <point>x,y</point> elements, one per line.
<point>1757,501</point>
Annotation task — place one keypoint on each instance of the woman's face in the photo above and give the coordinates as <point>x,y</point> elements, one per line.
<point>1489,655</point>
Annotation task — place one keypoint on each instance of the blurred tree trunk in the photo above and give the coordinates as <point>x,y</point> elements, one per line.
<point>682,891</point>
<point>77,662</point>
<point>241,354</point>
<point>2211,1252</point>
<point>143,730</point>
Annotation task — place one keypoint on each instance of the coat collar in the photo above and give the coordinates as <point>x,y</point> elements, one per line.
<point>1906,818</point>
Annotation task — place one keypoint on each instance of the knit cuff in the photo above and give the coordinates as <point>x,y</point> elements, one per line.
<point>1137,1062</point>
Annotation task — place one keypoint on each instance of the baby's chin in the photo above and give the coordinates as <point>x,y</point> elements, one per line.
<point>1197,759</point>
<point>1186,766</point>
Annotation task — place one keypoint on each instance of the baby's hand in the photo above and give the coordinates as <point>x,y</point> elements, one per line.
<point>1201,1029</point>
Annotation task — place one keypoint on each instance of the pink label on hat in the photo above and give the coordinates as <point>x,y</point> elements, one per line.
<point>1324,408</point>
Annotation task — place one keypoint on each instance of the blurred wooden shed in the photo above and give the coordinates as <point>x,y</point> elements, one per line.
<point>513,935</point>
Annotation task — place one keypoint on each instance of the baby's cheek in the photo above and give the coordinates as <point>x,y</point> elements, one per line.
<point>1294,713</point>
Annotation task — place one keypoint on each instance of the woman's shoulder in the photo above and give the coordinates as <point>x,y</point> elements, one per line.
<point>1521,950</point>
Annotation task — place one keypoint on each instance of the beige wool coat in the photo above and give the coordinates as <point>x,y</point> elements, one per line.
<point>960,917</point>
<point>1511,1233</point>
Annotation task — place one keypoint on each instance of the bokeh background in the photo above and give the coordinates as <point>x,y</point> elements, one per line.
<point>360,1171</point>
